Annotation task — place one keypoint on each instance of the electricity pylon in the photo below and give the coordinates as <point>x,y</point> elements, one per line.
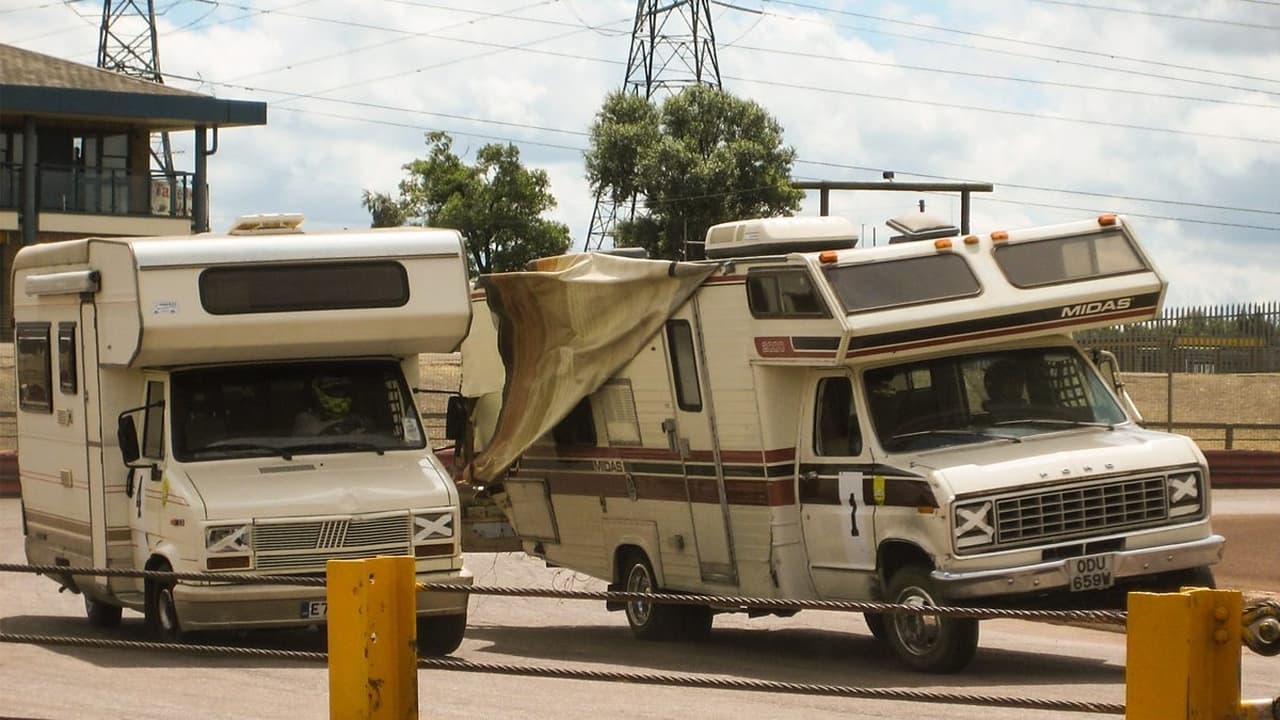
<point>127,45</point>
<point>672,47</point>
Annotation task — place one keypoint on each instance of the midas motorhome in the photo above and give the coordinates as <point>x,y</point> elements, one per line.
<point>800,418</point>
<point>238,403</point>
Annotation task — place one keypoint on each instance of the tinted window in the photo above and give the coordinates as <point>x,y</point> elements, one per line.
<point>910,281</point>
<point>783,293</point>
<point>1044,262</point>
<point>314,286</point>
<point>35,376</point>
<point>836,424</point>
<point>153,421</point>
<point>684,365</point>
<point>67,357</point>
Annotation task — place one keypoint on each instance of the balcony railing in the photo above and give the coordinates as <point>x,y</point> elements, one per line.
<point>98,191</point>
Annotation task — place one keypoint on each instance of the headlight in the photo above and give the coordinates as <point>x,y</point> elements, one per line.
<point>1186,496</point>
<point>432,526</point>
<point>227,539</point>
<point>973,525</point>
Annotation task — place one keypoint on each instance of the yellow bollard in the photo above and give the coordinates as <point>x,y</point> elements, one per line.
<point>373,658</point>
<point>1183,655</point>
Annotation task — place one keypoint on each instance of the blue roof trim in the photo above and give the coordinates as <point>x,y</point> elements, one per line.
<point>191,110</point>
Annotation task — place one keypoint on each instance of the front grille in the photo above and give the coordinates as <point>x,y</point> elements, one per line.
<point>1081,511</point>
<point>306,545</point>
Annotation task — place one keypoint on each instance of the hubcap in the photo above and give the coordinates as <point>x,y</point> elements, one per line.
<point>638,580</point>
<point>918,633</point>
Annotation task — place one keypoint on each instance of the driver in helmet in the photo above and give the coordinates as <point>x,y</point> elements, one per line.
<point>329,408</point>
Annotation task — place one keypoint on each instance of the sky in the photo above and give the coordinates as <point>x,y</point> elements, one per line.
<point>1167,112</point>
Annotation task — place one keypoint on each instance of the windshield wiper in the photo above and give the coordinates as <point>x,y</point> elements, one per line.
<point>963,433</point>
<point>1057,421</point>
<point>232,447</point>
<point>337,446</point>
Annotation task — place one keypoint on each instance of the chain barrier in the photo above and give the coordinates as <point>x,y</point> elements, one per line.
<point>565,673</point>
<point>1110,617</point>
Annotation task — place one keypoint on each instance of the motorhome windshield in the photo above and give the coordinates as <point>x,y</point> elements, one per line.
<point>986,396</point>
<point>292,408</point>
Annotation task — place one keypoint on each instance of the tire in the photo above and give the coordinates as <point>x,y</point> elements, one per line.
<point>927,642</point>
<point>161,611</point>
<point>102,615</point>
<point>440,635</point>
<point>878,624</point>
<point>651,621</point>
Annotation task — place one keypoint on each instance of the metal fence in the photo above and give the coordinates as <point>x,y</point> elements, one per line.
<point>1243,338</point>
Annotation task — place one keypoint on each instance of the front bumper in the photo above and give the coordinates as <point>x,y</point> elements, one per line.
<point>210,607</point>
<point>1051,576</point>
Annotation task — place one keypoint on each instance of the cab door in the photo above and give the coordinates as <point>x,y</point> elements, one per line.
<point>147,485</point>
<point>835,464</point>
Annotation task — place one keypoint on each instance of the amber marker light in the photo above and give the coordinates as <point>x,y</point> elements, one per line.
<point>970,239</point>
<point>827,256</point>
<point>942,244</point>
<point>1000,235</point>
<point>1107,220</point>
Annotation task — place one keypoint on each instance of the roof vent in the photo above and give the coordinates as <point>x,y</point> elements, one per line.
<point>267,224</point>
<point>920,226</point>
<point>775,236</point>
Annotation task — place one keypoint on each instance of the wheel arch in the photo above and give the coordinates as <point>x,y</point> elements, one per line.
<point>893,555</point>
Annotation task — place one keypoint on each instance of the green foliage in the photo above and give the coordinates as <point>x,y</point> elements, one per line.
<point>704,157</point>
<point>497,204</point>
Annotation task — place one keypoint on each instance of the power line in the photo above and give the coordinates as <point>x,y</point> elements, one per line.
<point>1009,78</point>
<point>1152,13</point>
<point>1195,221</point>
<point>1019,41</point>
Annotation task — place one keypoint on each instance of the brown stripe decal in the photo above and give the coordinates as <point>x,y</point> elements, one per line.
<point>877,489</point>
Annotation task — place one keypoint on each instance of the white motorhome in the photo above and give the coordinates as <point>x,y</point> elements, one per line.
<point>802,418</point>
<point>237,403</point>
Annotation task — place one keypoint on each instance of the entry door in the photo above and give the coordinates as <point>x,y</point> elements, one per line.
<point>691,433</point>
<point>835,465</point>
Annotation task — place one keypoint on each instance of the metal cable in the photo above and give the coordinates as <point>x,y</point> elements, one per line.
<point>303,580</point>
<point>1111,617</point>
<point>672,680</point>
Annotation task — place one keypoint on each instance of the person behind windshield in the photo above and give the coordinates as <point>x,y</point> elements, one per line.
<point>1006,384</point>
<point>329,411</point>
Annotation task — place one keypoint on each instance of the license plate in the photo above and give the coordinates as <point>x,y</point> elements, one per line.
<point>1091,572</point>
<point>314,609</point>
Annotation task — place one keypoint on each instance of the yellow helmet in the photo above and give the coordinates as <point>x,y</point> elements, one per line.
<point>333,394</point>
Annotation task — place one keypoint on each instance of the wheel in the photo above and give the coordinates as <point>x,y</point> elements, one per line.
<point>651,621</point>
<point>440,634</point>
<point>928,642</point>
<point>878,626</point>
<point>101,614</point>
<point>161,610</point>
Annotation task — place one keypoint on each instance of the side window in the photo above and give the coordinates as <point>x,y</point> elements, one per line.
<point>836,430</point>
<point>578,429</point>
<point>684,365</point>
<point>785,293</point>
<point>153,422</point>
<point>35,374</point>
<point>67,358</point>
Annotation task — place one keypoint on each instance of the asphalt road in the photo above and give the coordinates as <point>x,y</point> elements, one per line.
<point>1018,659</point>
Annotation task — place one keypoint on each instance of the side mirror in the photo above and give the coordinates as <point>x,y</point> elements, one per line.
<point>455,418</point>
<point>127,438</point>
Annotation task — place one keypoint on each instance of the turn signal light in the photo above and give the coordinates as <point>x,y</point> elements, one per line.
<point>970,239</point>
<point>942,244</point>
<point>827,256</point>
<point>1107,219</point>
<point>1000,235</point>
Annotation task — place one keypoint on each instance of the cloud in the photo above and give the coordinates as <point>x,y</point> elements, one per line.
<point>352,87</point>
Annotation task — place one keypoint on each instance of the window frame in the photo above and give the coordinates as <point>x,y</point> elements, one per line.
<point>832,271</point>
<point>68,370</point>
<point>756,278</point>
<point>682,362</point>
<point>38,332</point>
<point>221,300</point>
<point>153,421</point>
<point>1015,247</point>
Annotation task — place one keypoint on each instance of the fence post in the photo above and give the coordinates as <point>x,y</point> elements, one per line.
<point>1183,657</point>
<point>373,660</point>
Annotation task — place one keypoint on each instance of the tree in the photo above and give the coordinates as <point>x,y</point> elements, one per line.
<point>497,204</point>
<point>704,157</point>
